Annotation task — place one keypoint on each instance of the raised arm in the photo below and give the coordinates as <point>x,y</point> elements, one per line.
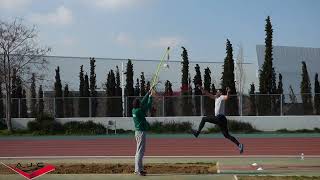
<point>146,102</point>
<point>205,92</point>
<point>228,94</point>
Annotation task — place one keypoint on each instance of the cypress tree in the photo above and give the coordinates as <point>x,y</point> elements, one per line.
<point>228,81</point>
<point>185,85</point>
<point>208,102</point>
<point>185,71</point>
<point>86,94</point>
<point>316,95</point>
<point>305,88</point>
<point>129,87</point>
<point>118,93</point>
<point>33,104</point>
<point>142,84</point>
<point>280,85</point>
<point>137,88</point>
<point>189,87</point>
<point>58,94</point>
<point>81,109</point>
<point>110,92</point>
<point>24,108</point>
<point>168,93</point>
<point>118,82</point>
<point>280,96</point>
<point>213,89</point>
<point>207,79</point>
<point>252,100</point>
<point>267,77</point>
<point>40,101</point>
<point>68,102</point>
<point>93,87</point>
<point>190,102</point>
<point>197,80</point>
<point>81,76</point>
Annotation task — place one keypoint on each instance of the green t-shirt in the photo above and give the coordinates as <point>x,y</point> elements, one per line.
<point>139,114</point>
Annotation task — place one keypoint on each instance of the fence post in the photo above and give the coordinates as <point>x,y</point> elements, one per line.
<point>90,110</point>
<point>19,108</point>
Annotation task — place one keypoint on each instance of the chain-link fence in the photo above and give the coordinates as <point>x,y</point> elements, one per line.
<point>164,106</point>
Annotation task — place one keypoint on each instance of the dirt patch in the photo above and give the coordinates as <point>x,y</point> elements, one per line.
<point>277,178</point>
<point>154,168</point>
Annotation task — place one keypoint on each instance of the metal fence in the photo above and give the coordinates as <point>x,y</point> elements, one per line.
<point>163,106</point>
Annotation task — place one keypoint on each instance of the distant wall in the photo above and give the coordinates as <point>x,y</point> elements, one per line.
<point>265,123</point>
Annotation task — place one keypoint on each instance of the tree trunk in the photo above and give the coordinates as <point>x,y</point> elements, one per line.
<point>8,111</point>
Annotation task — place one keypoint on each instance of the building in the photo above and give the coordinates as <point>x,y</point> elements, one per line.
<point>288,61</point>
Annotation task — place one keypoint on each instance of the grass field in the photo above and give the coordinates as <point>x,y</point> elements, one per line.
<point>278,178</point>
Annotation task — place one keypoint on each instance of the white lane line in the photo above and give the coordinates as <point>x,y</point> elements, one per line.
<point>246,156</point>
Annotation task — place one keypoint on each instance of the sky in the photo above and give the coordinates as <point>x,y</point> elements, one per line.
<point>142,29</point>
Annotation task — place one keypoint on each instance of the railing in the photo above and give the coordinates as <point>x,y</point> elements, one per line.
<point>248,105</point>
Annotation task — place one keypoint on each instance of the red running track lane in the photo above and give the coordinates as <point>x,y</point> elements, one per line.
<point>159,147</point>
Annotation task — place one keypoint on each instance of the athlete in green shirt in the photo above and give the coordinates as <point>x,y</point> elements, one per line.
<point>139,113</point>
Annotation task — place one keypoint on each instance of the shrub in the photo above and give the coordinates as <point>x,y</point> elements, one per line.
<point>3,124</point>
<point>44,117</point>
<point>235,126</point>
<point>88,127</point>
<point>34,126</point>
<point>170,127</point>
<point>45,124</point>
<point>120,131</point>
<point>315,130</point>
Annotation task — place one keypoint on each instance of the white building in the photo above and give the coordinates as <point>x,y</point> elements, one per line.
<point>288,62</point>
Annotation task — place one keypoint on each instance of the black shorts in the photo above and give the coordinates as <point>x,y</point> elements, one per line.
<point>219,120</point>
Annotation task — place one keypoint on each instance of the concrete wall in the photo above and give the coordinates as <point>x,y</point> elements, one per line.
<point>265,123</point>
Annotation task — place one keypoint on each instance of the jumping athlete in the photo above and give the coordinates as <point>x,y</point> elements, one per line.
<point>139,113</point>
<point>219,118</point>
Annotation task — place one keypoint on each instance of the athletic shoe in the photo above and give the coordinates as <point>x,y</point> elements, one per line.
<point>141,173</point>
<point>241,148</point>
<point>195,133</point>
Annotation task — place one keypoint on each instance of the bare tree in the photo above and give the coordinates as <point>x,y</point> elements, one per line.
<point>20,51</point>
<point>240,76</point>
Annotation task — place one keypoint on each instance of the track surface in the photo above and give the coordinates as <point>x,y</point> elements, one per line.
<point>294,146</point>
